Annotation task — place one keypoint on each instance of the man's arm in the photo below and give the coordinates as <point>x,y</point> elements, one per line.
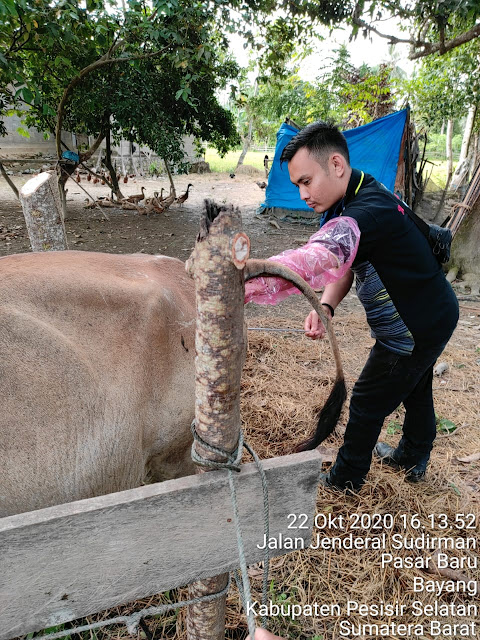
<point>333,294</point>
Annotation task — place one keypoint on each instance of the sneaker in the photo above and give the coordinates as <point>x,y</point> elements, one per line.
<point>386,454</point>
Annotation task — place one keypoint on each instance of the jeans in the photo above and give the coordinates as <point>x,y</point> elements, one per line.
<point>387,380</point>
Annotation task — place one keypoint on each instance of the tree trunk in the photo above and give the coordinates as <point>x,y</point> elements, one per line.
<point>439,213</point>
<point>131,165</point>
<point>122,159</point>
<point>66,169</point>
<point>140,161</point>
<point>219,256</point>
<point>111,169</point>
<point>467,134</point>
<point>465,256</point>
<point>247,141</point>
<point>461,172</point>
<point>167,169</point>
<point>9,180</point>
<point>449,152</point>
<point>99,161</point>
<point>42,208</point>
<point>476,151</point>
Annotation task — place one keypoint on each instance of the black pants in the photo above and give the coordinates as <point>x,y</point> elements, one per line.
<point>387,380</point>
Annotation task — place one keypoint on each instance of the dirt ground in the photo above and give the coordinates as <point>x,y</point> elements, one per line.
<point>457,392</point>
<point>172,233</point>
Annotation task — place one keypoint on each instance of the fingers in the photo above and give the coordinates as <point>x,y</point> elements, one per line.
<point>313,326</point>
<point>263,634</point>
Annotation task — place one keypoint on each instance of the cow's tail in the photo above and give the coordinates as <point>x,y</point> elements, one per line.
<point>330,412</point>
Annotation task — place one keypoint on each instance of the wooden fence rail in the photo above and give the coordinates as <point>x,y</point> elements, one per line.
<point>72,560</point>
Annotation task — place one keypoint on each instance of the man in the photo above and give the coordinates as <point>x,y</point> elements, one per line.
<point>410,307</point>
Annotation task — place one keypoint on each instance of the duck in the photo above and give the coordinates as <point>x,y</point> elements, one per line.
<point>158,199</point>
<point>137,197</point>
<point>181,199</point>
<point>166,202</point>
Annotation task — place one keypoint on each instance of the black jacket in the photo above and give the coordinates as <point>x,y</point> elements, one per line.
<point>403,259</point>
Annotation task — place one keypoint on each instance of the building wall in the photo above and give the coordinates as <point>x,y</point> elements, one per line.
<point>14,146</point>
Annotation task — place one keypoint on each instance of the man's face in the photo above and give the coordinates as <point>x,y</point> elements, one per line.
<point>319,186</point>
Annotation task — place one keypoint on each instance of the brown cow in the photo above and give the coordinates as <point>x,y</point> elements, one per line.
<point>96,375</point>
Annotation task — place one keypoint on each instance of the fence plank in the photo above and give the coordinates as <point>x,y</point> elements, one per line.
<point>69,561</point>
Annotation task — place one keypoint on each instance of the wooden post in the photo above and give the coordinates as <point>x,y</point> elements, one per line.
<point>220,254</point>
<point>42,208</point>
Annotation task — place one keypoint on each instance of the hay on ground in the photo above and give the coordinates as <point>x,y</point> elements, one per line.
<point>286,378</point>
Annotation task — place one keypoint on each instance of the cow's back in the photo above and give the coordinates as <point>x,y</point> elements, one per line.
<point>96,374</point>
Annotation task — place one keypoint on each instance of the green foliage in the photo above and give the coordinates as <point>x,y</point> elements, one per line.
<point>46,48</point>
<point>437,144</point>
<point>428,24</point>
<point>342,93</point>
<point>444,425</point>
<point>393,427</point>
<point>165,66</point>
<point>445,86</point>
<point>155,169</point>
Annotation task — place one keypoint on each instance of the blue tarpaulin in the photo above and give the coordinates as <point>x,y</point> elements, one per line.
<point>374,148</point>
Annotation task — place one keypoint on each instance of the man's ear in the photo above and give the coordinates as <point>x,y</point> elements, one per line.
<point>338,164</point>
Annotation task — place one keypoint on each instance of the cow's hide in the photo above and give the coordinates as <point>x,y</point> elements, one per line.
<point>96,375</point>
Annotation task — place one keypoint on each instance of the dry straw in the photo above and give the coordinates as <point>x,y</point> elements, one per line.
<point>286,378</point>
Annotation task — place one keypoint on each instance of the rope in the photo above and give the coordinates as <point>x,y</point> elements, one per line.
<point>279,330</point>
<point>233,458</point>
<point>232,464</point>
<point>132,621</point>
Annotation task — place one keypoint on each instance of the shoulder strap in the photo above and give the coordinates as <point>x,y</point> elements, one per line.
<point>421,224</point>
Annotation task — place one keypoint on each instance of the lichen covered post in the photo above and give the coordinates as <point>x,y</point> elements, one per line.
<point>217,265</point>
<point>42,208</point>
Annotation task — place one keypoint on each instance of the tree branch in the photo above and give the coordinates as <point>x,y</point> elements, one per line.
<point>98,64</point>
<point>7,178</point>
<point>433,47</point>
<point>427,48</point>
<point>88,154</point>
<point>393,39</point>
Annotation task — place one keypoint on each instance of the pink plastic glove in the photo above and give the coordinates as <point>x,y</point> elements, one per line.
<point>325,258</point>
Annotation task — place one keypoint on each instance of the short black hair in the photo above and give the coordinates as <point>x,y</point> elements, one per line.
<point>321,139</point>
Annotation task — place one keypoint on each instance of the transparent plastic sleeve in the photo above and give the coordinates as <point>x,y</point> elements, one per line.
<point>326,257</point>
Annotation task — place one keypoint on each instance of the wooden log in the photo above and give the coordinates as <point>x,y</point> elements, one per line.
<point>42,208</point>
<point>72,560</point>
<point>220,253</point>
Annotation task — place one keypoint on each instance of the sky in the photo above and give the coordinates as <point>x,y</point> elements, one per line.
<point>372,50</point>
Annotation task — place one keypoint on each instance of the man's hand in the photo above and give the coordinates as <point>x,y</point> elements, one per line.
<point>262,634</point>
<point>314,328</point>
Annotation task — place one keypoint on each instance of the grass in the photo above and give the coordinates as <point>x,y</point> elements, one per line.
<point>228,163</point>
<point>439,172</point>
